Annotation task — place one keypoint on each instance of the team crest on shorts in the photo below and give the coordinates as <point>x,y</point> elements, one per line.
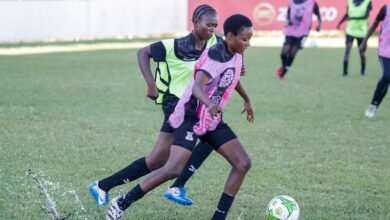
<point>190,136</point>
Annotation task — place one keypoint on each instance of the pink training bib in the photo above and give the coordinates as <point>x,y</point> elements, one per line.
<point>384,38</point>
<point>301,16</point>
<point>224,78</point>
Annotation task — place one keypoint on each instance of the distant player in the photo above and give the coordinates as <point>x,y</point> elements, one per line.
<point>175,64</point>
<point>384,57</point>
<point>199,111</point>
<point>299,19</point>
<point>357,16</point>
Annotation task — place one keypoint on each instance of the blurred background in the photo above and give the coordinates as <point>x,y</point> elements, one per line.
<point>43,20</point>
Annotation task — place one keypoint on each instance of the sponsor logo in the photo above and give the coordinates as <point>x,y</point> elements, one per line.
<point>264,13</point>
<point>190,136</point>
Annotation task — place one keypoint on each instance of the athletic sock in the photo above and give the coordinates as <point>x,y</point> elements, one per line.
<point>363,69</point>
<point>225,202</point>
<point>134,171</point>
<point>345,68</point>
<point>135,194</point>
<point>200,153</point>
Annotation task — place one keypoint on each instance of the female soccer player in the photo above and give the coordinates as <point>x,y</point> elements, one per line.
<point>216,75</point>
<point>384,57</point>
<point>299,19</point>
<point>357,16</point>
<point>176,59</point>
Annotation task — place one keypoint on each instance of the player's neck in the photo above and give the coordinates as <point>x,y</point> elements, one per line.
<point>199,43</point>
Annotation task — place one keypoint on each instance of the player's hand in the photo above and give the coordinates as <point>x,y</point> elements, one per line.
<point>243,70</point>
<point>214,110</point>
<point>250,117</point>
<point>152,92</point>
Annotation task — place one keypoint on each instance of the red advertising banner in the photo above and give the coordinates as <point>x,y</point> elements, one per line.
<point>271,14</point>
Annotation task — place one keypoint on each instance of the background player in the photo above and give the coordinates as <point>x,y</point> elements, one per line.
<point>299,19</point>
<point>384,58</point>
<point>357,28</point>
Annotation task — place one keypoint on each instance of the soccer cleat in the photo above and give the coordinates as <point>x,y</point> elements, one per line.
<point>178,195</point>
<point>279,72</point>
<point>370,112</point>
<point>100,196</point>
<point>114,212</point>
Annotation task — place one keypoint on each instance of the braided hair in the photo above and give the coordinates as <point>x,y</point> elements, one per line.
<point>202,10</point>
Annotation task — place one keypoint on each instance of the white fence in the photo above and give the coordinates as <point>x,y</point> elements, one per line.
<point>31,20</point>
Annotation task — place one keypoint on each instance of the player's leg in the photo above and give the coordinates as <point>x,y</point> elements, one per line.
<point>183,144</point>
<point>284,56</point>
<point>362,57</point>
<point>296,45</point>
<point>170,170</point>
<point>140,167</point>
<point>240,161</point>
<point>381,88</point>
<point>177,192</point>
<point>226,143</point>
<point>348,46</point>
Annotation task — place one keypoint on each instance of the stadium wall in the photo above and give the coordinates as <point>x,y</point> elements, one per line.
<point>36,20</point>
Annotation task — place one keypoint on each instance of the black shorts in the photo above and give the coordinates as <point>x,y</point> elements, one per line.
<point>168,106</point>
<point>221,135</point>
<point>295,41</point>
<point>184,135</point>
<point>349,39</point>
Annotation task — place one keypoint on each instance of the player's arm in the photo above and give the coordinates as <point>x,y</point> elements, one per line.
<point>247,102</point>
<point>345,17</point>
<point>316,11</point>
<point>201,79</point>
<point>380,17</point>
<point>144,55</point>
<point>289,22</point>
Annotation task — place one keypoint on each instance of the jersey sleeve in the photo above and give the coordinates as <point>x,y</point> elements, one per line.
<point>158,51</point>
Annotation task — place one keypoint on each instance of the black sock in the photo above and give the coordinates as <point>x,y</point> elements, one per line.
<point>363,68</point>
<point>345,68</point>
<point>380,91</point>
<point>200,153</point>
<point>135,194</point>
<point>284,59</point>
<point>134,171</point>
<point>225,202</point>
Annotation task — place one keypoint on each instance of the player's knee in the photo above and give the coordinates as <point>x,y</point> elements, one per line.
<point>244,165</point>
<point>155,163</point>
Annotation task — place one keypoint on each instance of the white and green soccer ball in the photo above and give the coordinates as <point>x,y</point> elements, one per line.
<point>282,208</point>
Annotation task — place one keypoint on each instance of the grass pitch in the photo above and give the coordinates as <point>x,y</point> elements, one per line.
<point>72,118</point>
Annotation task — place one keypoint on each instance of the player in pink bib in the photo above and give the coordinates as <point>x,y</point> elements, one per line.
<point>199,111</point>
<point>299,20</point>
<point>384,57</point>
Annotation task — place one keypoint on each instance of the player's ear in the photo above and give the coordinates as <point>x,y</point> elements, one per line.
<point>229,36</point>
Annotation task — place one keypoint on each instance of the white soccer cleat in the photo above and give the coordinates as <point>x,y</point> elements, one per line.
<point>370,112</point>
<point>114,212</point>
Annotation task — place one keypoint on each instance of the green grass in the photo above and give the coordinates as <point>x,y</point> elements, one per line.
<point>73,118</point>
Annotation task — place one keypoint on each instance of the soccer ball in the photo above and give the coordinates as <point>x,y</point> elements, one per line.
<point>282,208</point>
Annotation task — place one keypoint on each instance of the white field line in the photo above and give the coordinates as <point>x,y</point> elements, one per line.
<point>255,42</point>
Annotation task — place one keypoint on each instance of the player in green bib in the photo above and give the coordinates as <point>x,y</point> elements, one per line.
<point>175,60</point>
<point>357,28</point>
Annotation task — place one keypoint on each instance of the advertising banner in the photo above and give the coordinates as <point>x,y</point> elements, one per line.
<point>271,14</point>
